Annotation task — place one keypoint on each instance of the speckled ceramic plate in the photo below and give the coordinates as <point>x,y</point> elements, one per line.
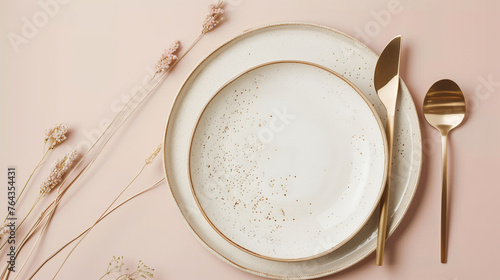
<point>288,41</point>
<point>288,161</point>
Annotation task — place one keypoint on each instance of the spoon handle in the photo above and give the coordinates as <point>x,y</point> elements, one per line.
<point>444,200</point>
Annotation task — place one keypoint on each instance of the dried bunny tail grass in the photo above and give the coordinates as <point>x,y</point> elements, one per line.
<point>152,157</point>
<point>167,58</point>
<point>57,171</point>
<point>214,17</point>
<point>56,135</point>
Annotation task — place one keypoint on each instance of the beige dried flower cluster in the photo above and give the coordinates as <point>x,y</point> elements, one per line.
<point>57,171</point>
<point>56,135</point>
<point>167,58</point>
<point>214,17</point>
<point>142,272</point>
<point>153,155</point>
<point>116,266</point>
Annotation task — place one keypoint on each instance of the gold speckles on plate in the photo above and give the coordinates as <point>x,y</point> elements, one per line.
<point>297,131</point>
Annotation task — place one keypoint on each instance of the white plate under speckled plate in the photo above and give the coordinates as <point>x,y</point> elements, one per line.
<point>288,41</point>
<point>288,161</point>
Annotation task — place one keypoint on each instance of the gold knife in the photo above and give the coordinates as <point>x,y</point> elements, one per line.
<point>386,79</point>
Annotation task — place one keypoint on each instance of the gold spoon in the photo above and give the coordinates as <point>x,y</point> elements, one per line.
<point>444,109</point>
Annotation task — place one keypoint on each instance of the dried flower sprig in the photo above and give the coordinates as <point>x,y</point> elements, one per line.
<point>212,20</point>
<point>57,171</point>
<point>142,271</point>
<point>116,264</point>
<point>56,135</point>
<point>214,17</point>
<point>167,58</point>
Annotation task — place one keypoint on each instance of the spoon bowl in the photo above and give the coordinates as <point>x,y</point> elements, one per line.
<point>444,105</point>
<point>444,109</point>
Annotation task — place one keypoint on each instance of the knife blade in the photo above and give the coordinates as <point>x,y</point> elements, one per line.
<point>386,81</point>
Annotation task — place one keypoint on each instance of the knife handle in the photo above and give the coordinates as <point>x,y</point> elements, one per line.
<point>384,200</point>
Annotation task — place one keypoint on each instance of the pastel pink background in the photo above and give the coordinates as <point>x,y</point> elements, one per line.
<point>81,65</point>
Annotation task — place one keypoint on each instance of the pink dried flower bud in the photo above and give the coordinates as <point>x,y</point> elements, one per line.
<point>57,171</point>
<point>56,135</point>
<point>214,17</point>
<point>167,58</point>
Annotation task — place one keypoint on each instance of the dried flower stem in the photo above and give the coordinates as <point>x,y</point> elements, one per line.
<point>114,268</point>
<point>45,216</point>
<point>83,237</point>
<point>142,271</point>
<point>62,191</point>
<point>55,139</point>
<point>147,162</point>
<point>29,179</point>
<point>33,247</point>
<point>89,228</point>
<point>21,223</point>
<point>29,212</point>
<point>57,171</point>
<point>115,124</point>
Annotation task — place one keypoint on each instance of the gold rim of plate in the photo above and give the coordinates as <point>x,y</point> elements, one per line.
<point>381,188</point>
<point>219,255</point>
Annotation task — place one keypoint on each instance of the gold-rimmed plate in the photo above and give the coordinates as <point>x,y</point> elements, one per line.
<point>288,161</point>
<point>288,41</point>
